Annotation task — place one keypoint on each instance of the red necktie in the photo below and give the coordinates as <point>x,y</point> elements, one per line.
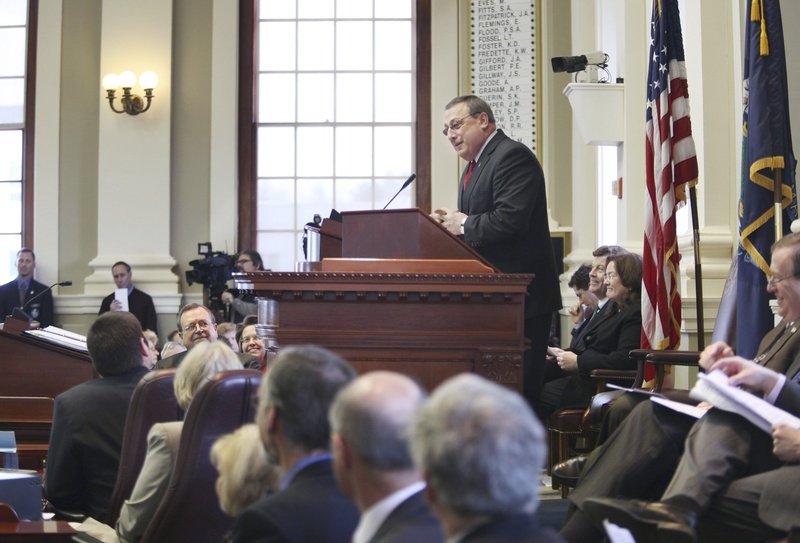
<point>468,174</point>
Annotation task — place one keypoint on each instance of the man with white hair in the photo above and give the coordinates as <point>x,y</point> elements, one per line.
<point>480,449</point>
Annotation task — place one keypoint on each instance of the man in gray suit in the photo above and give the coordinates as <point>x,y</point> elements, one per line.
<point>734,482</point>
<point>369,422</point>
<point>645,471</point>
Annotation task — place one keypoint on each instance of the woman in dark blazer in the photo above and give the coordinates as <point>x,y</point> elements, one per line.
<point>606,345</point>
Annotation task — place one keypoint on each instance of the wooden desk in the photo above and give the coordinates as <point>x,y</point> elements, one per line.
<point>34,531</point>
<point>32,367</point>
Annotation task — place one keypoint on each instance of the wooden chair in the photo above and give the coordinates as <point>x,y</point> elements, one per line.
<point>153,401</point>
<point>7,513</point>
<point>571,424</point>
<point>592,417</point>
<point>190,509</point>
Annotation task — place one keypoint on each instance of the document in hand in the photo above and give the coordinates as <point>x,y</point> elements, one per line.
<point>714,389</point>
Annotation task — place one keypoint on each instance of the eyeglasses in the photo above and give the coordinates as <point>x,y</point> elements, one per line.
<point>772,280</point>
<point>201,325</point>
<point>610,276</point>
<point>243,260</point>
<point>249,339</point>
<point>458,123</point>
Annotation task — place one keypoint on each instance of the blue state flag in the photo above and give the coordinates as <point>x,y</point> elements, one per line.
<point>766,156</point>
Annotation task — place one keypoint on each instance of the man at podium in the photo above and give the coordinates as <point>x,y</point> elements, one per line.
<point>502,214</point>
<point>26,292</point>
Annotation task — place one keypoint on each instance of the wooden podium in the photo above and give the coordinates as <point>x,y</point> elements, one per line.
<point>34,372</point>
<point>33,367</point>
<point>406,295</point>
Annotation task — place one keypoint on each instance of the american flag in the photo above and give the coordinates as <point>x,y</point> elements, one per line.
<point>671,169</point>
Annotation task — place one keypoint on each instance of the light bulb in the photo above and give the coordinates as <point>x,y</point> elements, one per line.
<point>110,81</point>
<point>148,80</point>
<point>127,79</point>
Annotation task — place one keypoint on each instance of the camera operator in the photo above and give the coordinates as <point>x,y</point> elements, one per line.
<point>244,304</point>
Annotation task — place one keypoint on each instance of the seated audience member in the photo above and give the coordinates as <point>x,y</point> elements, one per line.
<point>244,304</point>
<point>481,466</point>
<point>162,441</point>
<point>170,348</point>
<point>373,466</point>
<point>152,340</point>
<point>198,326</point>
<point>249,343</point>
<point>139,303</point>
<point>292,416</point>
<point>175,335</point>
<point>226,331</point>
<point>726,479</point>
<point>581,312</point>
<point>89,419</point>
<point>777,350</point>
<point>615,331</point>
<point>245,474</point>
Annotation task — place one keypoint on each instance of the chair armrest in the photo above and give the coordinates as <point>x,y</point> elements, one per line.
<point>640,354</point>
<point>629,375</point>
<point>601,403</point>
<point>674,358</point>
<point>602,376</point>
<point>63,514</point>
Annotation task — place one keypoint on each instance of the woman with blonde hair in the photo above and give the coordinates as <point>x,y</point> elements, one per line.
<point>204,360</point>
<point>244,470</point>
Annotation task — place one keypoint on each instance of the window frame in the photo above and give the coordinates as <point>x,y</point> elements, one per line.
<point>29,128</point>
<point>248,116</point>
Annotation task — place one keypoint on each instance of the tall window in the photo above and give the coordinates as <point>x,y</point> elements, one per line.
<point>336,118</point>
<point>13,44</point>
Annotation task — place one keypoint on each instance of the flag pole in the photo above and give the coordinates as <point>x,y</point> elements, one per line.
<point>698,271</point>
<point>778,185</point>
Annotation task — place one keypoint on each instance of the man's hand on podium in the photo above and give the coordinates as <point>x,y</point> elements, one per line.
<point>452,219</point>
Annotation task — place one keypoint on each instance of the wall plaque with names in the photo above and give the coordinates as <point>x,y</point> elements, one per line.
<point>504,64</point>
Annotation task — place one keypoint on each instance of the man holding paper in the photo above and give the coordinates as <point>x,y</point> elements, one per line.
<point>129,298</point>
<point>733,482</point>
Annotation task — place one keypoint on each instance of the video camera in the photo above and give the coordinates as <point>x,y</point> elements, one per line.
<point>213,272</point>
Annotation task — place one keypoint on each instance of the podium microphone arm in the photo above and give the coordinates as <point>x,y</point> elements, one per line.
<point>48,289</point>
<point>406,184</point>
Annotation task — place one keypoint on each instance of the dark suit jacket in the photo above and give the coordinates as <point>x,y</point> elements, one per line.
<point>41,309</point>
<point>604,343</point>
<point>249,361</point>
<point>507,224</point>
<point>85,443</point>
<point>514,528</point>
<point>140,305</point>
<point>410,521</point>
<point>608,338</point>
<point>311,509</point>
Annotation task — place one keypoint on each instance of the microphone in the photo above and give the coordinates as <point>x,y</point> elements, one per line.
<point>407,183</point>
<point>48,289</point>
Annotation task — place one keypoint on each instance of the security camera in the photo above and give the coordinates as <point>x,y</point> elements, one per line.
<point>580,62</point>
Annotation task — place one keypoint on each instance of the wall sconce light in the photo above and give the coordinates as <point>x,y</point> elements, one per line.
<point>132,104</point>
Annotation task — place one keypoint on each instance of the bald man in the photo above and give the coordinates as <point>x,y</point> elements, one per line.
<point>372,462</point>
